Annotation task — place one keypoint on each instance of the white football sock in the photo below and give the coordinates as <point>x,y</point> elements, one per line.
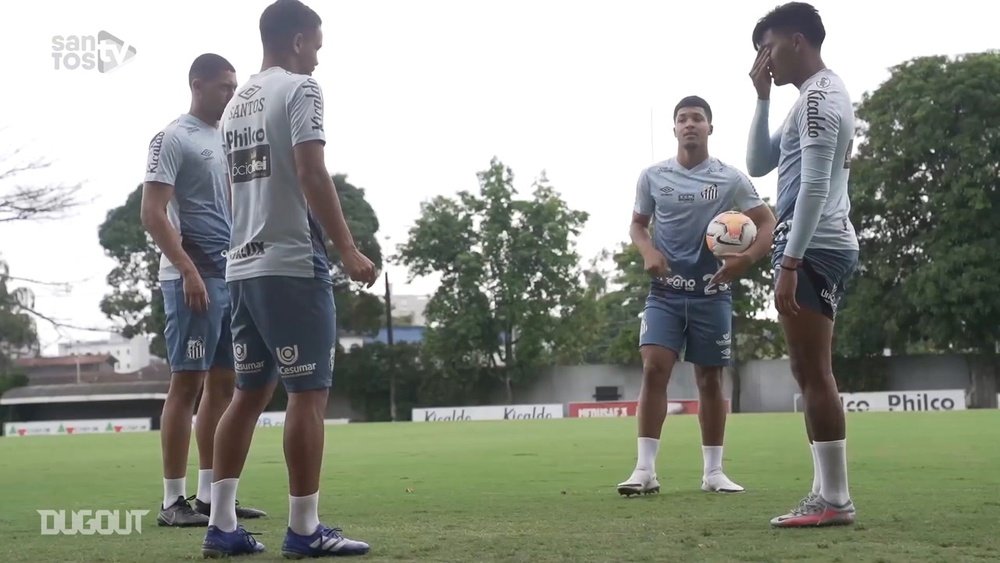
<point>224,504</point>
<point>713,459</point>
<point>303,514</point>
<point>173,488</point>
<point>817,476</point>
<point>205,485</point>
<point>832,458</point>
<point>648,447</point>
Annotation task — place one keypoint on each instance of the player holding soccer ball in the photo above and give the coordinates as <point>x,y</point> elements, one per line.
<point>815,246</point>
<point>689,306</point>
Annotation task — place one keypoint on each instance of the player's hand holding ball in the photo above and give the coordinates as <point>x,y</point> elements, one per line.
<point>360,268</point>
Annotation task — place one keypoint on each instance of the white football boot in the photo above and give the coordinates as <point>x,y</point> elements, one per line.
<point>641,482</point>
<point>717,482</point>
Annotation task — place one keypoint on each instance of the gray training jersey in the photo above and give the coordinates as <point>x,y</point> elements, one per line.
<point>188,154</point>
<point>821,127</point>
<point>682,203</point>
<point>274,232</point>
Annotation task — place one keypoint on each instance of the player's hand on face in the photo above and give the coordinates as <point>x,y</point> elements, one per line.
<point>360,268</point>
<point>195,293</point>
<point>784,293</point>
<point>734,267</point>
<point>656,265</point>
<point>760,74</point>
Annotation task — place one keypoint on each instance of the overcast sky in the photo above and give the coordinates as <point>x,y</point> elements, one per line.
<point>419,96</point>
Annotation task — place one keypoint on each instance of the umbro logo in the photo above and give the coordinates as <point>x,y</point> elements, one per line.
<point>206,153</point>
<point>250,92</point>
<point>666,190</point>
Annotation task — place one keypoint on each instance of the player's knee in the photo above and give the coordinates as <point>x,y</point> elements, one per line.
<point>185,386</point>
<point>656,373</point>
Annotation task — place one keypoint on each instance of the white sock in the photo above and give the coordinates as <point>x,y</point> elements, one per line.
<point>832,458</point>
<point>713,459</point>
<point>224,504</point>
<point>205,485</point>
<point>303,514</point>
<point>173,488</point>
<point>648,447</point>
<point>817,476</point>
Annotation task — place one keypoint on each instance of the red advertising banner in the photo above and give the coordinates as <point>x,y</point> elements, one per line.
<point>628,408</point>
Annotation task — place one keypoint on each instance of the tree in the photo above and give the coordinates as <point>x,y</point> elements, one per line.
<point>508,270</point>
<point>18,335</point>
<point>136,303</point>
<point>135,300</point>
<point>21,202</point>
<point>925,189</point>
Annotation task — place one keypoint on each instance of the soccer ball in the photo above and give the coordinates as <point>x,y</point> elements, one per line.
<point>730,232</point>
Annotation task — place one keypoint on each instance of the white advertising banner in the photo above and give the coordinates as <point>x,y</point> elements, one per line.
<point>71,427</point>
<point>506,412</point>
<point>899,401</point>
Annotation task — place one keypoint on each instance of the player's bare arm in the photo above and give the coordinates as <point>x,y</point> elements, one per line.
<point>153,213</point>
<point>655,263</point>
<point>321,194</point>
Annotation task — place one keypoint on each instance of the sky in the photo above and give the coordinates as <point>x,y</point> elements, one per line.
<point>419,97</point>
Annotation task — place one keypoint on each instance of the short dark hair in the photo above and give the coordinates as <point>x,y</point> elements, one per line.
<point>208,66</point>
<point>282,20</point>
<point>793,17</point>
<point>694,102</point>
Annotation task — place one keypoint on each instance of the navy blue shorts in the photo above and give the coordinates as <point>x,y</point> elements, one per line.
<point>700,327</point>
<point>197,342</point>
<point>284,327</point>
<point>822,277</point>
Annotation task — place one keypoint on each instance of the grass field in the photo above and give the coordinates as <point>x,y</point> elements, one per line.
<point>927,488</point>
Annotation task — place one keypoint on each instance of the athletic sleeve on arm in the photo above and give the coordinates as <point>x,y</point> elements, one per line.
<point>746,194</point>
<point>763,149</point>
<point>819,128</point>
<point>163,158</point>
<point>305,113</point>
<point>644,204</point>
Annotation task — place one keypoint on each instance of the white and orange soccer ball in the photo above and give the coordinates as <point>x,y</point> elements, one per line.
<point>730,232</point>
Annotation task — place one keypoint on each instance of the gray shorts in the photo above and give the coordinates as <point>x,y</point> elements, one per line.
<point>197,341</point>
<point>700,327</point>
<point>822,277</point>
<point>284,327</point>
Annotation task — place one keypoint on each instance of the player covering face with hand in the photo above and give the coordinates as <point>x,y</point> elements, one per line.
<point>815,246</point>
<point>689,307</point>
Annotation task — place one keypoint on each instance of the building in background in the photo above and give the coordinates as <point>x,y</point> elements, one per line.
<point>408,323</point>
<point>131,354</point>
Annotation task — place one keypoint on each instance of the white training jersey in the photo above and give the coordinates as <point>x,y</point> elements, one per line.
<point>274,233</point>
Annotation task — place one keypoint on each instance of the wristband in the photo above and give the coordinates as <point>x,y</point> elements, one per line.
<point>784,267</point>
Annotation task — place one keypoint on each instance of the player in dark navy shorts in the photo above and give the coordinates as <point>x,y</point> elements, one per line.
<point>284,320</point>
<point>185,209</point>
<point>689,307</point>
<point>816,247</point>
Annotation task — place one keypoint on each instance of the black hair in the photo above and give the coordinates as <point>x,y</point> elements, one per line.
<point>208,66</point>
<point>282,20</point>
<point>793,17</point>
<point>694,102</point>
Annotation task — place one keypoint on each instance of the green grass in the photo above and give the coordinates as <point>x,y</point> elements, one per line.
<point>927,488</point>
